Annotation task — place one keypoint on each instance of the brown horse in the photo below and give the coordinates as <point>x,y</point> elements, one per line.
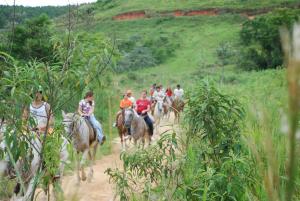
<point>122,130</point>
<point>177,106</point>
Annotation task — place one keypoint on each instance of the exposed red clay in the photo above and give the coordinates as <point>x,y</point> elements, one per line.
<point>178,13</point>
<point>130,15</point>
<point>201,12</point>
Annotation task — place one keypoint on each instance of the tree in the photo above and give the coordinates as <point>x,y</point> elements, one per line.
<point>261,41</point>
<point>32,40</point>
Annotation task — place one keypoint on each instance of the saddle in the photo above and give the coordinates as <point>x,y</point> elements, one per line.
<point>92,131</point>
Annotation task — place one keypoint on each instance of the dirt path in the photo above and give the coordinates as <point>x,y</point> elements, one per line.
<point>99,189</point>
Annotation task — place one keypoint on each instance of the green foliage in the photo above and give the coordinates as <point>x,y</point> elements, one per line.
<point>214,117</point>
<point>51,156</point>
<point>33,39</point>
<point>140,52</point>
<point>63,83</point>
<point>261,41</point>
<point>139,57</point>
<point>214,130</point>
<point>225,53</point>
<point>24,13</point>
<point>156,164</point>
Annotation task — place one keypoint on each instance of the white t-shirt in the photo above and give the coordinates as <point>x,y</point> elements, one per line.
<point>132,99</point>
<point>178,93</point>
<point>39,114</point>
<point>159,95</point>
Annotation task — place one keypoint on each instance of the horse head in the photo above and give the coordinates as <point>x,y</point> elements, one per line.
<point>128,117</point>
<point>159,105</point>
<point>68,122</point>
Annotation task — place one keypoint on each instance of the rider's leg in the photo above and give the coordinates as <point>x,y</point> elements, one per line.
<point>117,117</point>
<point>129,131</point>
<point>149,123</point>
<point>98,127</point>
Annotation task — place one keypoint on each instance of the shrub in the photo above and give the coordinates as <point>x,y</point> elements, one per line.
<point>139,57</point>
<point>261,41</point>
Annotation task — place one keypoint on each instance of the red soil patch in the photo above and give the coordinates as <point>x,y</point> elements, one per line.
<point>178,13</point>
<point>130,15</point>
<point>201,12</point>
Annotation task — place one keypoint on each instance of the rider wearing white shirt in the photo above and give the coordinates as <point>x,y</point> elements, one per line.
<point>159,95</point>
<point>178,92</point>
<point>39,111</point>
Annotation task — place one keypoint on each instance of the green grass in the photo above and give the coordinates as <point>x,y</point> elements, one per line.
<point>198,38</point>
<point>121,6</point>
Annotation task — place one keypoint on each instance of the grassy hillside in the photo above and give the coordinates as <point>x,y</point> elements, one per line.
<point>198,38</point>
<point>110,8</point>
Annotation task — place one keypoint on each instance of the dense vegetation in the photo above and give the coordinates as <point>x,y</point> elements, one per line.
<point>22,13</point>
<point>261,41</point>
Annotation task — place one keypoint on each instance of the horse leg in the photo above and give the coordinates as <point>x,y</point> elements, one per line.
<point>78,167</point>
<point>84,155</point>
<point>64,155</point>
<point>122,141</point>
<point>91,172</point>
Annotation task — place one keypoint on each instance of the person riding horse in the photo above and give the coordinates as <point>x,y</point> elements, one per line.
<point>86,109</point>
<point>178,92</point>
<point>142,108</point>
<point>39,111</point>
<point>124,104</point>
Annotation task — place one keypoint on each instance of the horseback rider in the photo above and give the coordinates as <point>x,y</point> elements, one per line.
<point>142,108</point>
<point>178,92</point>
<point>159,95</point>
<point>152,90</point>
<point>169,95</point>
<point>124,104</point>
<point>130,97</point>
<point>40,112</point>
<point>86,109</point>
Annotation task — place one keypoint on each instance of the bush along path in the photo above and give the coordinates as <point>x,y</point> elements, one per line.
<point>249,13</point>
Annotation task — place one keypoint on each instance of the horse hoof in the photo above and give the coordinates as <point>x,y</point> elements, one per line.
<point>83,178</point>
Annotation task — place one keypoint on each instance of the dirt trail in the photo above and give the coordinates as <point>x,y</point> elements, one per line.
<point>99,189</point>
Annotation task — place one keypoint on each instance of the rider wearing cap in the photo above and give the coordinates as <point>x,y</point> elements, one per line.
<point>130,97</point>
<point>124,104</point>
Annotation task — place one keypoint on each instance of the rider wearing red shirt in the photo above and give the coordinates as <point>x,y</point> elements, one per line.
<point>142,108</point>
<point>169,92</point>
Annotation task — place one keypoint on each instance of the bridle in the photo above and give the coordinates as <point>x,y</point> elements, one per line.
<point>72,126</point>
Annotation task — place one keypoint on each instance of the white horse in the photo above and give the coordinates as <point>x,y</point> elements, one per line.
<point>84,140</point>
<point>137,125</point>
<point>23,192</point>
<point>158,114</point>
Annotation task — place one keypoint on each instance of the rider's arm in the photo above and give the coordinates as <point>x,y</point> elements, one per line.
<point>148,109</point>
